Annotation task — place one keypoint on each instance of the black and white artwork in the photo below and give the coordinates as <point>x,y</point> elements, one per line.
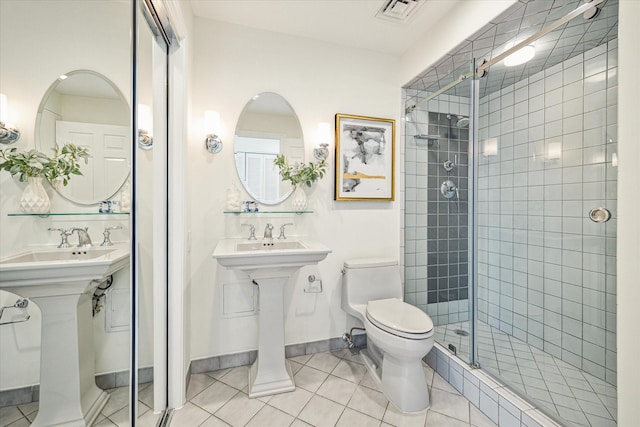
<point>364,158</point>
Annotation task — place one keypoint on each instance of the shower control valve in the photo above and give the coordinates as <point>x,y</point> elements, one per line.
<point>449,190</point>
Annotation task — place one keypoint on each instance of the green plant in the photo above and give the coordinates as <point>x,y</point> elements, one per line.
<point>33,163</point>
<point>300,173</point>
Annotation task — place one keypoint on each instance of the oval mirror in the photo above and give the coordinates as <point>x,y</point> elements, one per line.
<point>268,126</point>
<point>86,109</point>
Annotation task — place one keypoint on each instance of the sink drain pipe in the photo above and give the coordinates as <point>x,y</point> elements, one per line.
<point>348,337</point>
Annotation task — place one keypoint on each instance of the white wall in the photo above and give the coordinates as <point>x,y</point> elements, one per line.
<point>231,64</point>
<point>39,41</point>
<point>628,207</point>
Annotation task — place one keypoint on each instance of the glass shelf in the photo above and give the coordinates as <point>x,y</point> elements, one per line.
<point>268,212</point>
<point>68,214</point>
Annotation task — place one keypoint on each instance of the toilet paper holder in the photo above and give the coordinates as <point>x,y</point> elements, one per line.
<point>312,279</point>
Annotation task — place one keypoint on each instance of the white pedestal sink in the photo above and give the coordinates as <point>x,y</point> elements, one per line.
<point>61,283</point>
<point>269,264</point>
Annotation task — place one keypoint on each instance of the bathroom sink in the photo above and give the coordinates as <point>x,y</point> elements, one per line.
<point>269,264</point>
<point>61,281</point>
<point>241,254</point>
<point>50,270</point>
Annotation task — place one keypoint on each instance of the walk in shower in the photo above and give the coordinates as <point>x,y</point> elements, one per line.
<point>510,205</point>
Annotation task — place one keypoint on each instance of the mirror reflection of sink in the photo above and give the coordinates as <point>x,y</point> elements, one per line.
<point>71,255</point>
<point>61,283</point>
<point>50,270</point>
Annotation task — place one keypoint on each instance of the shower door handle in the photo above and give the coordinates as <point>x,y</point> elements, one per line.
<point>599,214</point>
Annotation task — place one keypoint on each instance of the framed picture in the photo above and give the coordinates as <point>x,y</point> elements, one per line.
<point>365,149</point>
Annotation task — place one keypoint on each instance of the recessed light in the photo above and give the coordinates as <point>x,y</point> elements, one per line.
<point>520,56</point>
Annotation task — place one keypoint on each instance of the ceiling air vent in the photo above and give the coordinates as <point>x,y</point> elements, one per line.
<point>398,10</point>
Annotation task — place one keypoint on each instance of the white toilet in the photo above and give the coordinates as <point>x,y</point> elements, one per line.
<point>399,335</point>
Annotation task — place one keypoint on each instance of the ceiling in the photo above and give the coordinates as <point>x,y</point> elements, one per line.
<point>520,21</point>
<point>349,23</point>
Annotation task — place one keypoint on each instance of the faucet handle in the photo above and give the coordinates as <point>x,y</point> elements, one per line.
<point>64,243</point>
<point>107,235</point>
<point>282,236</point>
<point>252,231</point>
<point>268,229</point>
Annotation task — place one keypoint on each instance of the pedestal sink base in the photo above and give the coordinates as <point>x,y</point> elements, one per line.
<point>88,418</point>
<point>259,389</point>
<point>269,265</point>
<point>68,393</point>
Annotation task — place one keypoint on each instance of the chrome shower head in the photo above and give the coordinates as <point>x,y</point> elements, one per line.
<point>462,122</point>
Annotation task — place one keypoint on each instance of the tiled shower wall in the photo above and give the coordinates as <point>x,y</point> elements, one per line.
<point>436,228</point>
<point>548,154</point>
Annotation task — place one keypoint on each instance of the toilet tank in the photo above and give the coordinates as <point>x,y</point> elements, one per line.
<point>367,279</point>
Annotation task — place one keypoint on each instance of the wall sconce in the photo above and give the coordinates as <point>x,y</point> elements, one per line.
<point>8,133</point>
<point>324,136</point>
<point>212,142</point>
<point>145,127</point>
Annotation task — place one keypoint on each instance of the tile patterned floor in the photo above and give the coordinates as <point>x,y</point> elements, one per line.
<point>333,389</point>
<point>115,413</point>
<point>562,389</point>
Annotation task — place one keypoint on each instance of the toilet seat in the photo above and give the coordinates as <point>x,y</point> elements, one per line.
<point>399,318</point>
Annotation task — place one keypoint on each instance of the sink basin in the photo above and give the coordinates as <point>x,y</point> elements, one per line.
<point>58,255</point>
<point>30,272</point>
<point>266,246</point>
<point>243,254</point>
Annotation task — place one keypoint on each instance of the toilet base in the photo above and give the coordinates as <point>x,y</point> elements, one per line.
<point>404,384</point>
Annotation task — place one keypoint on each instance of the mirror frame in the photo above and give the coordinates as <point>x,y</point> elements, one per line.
<point>38,143</point>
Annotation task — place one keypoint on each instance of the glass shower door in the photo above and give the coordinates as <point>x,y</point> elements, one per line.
<point>546,236</point>
<point>437,207</point>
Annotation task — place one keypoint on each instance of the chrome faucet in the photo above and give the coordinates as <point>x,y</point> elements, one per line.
<point>64,243</point>
<point>107,235</point>
<point>282,236</point>
<point>84,240</point>
<point>252,231</point>
<point>268,232</point>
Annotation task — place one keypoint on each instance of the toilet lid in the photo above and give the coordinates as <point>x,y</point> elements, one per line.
<point>395,315</point>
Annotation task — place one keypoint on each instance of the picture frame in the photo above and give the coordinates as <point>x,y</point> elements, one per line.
<point>365,158</point>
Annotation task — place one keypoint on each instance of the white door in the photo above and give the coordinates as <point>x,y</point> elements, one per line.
<point>108,165</point>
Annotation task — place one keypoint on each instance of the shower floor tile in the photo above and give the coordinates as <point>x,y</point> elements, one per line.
<point>561,389</point>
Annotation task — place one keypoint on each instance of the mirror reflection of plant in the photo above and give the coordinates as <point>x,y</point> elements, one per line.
<point>33,163</point>
<point>300,173</point>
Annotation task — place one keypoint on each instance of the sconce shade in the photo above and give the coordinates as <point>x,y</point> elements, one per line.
<point>8,133</point>
<point>212,141</point>
<point>323,136</point>
<point>145,127</point>
<point>4,114</point>
<point>211,122</point>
